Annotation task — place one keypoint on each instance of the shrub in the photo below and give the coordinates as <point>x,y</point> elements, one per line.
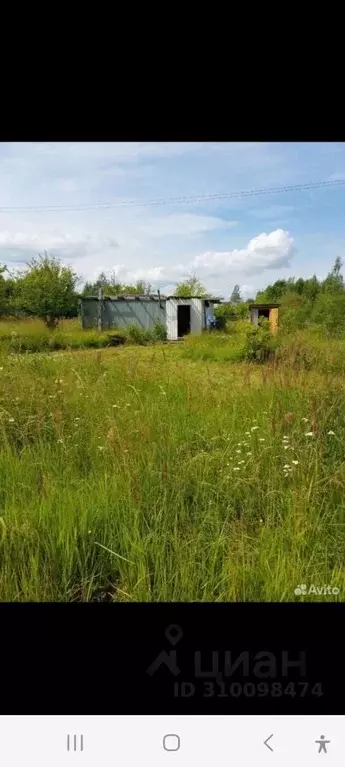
<point>159,332</point>
<point>138,336</point>
<point>259,345</point>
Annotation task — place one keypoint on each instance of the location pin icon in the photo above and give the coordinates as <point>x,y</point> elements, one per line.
<point>173,633</point>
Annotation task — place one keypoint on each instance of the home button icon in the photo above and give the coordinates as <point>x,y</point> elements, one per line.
<point>171,742</point>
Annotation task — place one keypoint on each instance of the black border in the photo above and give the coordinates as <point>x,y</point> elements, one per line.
<point>94,659</point>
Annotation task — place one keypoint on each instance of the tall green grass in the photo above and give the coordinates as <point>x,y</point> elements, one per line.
<point>157,473</point>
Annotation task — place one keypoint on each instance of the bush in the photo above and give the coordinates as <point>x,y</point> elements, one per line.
<point>259,345</point>
<point>159,332</point>
<point>138,336</point>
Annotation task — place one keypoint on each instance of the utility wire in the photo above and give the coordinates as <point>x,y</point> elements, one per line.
<point>174,200</point>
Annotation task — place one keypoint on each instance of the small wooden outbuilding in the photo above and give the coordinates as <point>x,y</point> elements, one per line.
<point>270,311</point>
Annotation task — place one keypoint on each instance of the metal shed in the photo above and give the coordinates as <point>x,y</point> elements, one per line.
<point>180,316</point>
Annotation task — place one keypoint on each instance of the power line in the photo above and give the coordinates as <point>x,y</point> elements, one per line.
<point>174,200</point>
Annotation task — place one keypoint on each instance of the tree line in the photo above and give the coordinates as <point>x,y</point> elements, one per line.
<point>49,290</point>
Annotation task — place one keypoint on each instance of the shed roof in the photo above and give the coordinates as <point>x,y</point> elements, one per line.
<point>264,306</point>
<point>152,297</point>
<point>213,299</point>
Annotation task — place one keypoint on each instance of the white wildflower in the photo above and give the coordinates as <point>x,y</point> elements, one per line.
<point>248,433</point>
<point>238,451</point>
<point>305,420</point>
<point>309,434</point>
<point>11,420</point>
<point>249,453</point>
<point>241,462</point>
<point>236,468</point>
<point>286,447</point>
<point>253,428</point>
<point>261,439</point>
<point>295,462</point>
<point>331,432</point>
<point>287,466</point>
<point>100,447</point>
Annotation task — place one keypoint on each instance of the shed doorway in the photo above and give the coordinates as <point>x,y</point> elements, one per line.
<point>264,313</point>
<point>183,320</point>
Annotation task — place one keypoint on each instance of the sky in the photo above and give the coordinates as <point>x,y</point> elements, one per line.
<point>249,241</point>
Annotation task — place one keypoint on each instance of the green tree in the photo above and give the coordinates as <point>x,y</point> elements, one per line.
<point>47,290</point>
<point>235,297</point>
<point>3,291</point>
<point>334,282</point>
<point>329,312</point>
<point>191,287</point>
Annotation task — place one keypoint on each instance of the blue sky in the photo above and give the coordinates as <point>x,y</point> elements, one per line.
<point>251,241</point>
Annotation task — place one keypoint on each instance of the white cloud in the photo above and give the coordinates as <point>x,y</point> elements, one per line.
<point>183,224</point>
<point>71,244</point>
<point>265,251</point>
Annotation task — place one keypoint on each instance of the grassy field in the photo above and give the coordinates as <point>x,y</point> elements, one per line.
<point>170,472</point>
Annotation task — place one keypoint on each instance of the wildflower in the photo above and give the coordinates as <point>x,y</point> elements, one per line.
<point>239,443</point>
<point>261,439</point>
<point>287,466</point>
<point>241,462</point>
<point>286,437</point>
<point>248,433</point>
<point>236,468</point>
<point>309,434</point>
<point>11,420</point>
<point>238,451</point>
<point>61,441</point>
<point>125,451</point>
<point>1,368</point>
<point>89,531</point>
<point>331,432</point>
<point>249,453</point>
<point>286,447</point>
<point>305,420</point>
<point>115,405</point>
<point>253,428</point>
<point>295,462</point>
<point>100,447</point>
